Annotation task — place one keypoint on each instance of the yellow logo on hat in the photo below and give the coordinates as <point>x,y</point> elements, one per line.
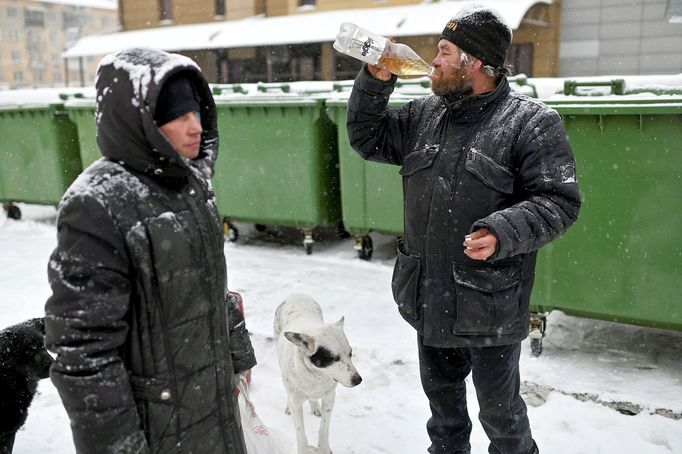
<point>452,25</point>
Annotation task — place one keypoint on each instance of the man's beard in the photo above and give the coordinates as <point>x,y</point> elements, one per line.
<point>455,85</point>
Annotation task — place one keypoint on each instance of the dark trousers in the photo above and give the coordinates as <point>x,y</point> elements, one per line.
<point>495,372</point>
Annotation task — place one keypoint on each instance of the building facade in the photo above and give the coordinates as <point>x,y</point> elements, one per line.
<point>551,37</point>
<point>33,35</point>
<point>534,49</point>
<point>620,37</point>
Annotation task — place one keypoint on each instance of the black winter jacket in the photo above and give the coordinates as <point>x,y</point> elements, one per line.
<point>138,312</point>
<point>499,160</point>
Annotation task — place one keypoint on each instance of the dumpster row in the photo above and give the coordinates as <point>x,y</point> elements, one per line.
<point>286,161</point>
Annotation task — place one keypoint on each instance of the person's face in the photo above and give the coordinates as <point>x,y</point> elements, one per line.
<point>184,133</point>
<point>452,75</point>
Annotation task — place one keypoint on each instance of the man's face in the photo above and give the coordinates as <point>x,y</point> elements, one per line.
<point>184,133</point>
<point>452,76</point>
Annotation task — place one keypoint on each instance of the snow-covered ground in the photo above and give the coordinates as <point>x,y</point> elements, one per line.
<point>598,387</point>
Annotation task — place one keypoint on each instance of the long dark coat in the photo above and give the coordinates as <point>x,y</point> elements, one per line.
<point>137,316</point>
<point>501,161</point>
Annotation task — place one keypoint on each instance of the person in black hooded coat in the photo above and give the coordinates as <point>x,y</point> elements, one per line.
<point>138,315</point>
<point>488,178</point>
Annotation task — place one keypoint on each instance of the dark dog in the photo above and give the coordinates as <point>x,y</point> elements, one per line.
<point>23,362</point>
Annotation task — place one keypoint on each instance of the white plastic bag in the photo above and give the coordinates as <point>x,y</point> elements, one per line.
<point>258,437</point>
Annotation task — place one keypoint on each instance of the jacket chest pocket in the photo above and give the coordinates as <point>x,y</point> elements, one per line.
<point>418,179</point>
<point>487,299</point>
<point>172,250</point>
<point>491,173</point>
<point>419,160</point>
<point>165,251</point>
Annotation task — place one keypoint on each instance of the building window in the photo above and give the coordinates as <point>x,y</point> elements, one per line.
<point>306,2</point>
<point>521,59</point>
<point>18,76</point>
<point>71,20</point>
<point>34,17</point>
<point>16,56</point>
<point>14,35</point>
<point>165,10</point>
<point>104,21</point>
<point>220,8</point>
<point>71,35</point>
<point>34,37</point>
<point>36,61</point>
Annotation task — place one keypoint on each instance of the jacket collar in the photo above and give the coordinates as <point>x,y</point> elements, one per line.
<point>471,108</point>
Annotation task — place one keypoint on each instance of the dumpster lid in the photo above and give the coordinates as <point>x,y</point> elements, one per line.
<point>25,97</point>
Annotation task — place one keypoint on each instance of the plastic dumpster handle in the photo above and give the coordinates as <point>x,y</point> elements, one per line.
<point>66,96</point>
<point>232,88</point>
<point>265,87</point>
<point>421,82</point>
<point>617,85</point>
<point>341,86</point>
<point>522,81</point>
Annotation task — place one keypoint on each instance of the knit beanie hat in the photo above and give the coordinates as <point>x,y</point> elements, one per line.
<point>481,32</point>
<point>177,97</point>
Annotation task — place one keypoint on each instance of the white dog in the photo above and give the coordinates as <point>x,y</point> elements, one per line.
<point>313,356</point>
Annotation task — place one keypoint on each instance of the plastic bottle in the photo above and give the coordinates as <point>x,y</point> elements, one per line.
<point>374,49</point>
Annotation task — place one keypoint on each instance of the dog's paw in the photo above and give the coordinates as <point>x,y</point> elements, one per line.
<point>315,407</point>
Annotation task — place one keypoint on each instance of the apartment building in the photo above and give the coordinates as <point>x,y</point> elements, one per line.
<point>33,35</point>
<point>288,40</point>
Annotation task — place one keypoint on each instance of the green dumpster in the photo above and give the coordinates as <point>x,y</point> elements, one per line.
<point>82,113</point>
<point>39,154</point>
<point>278,161</point>
<point>622,261</point>
<point>371,193</point>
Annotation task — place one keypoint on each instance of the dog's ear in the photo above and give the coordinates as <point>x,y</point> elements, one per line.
<point>340,322</point>
<point>302,341</point>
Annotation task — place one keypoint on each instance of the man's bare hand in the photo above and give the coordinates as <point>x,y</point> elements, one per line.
<point>380,71</point>
<point>480,244</point>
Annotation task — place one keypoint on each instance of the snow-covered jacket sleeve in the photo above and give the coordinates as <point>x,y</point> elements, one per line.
<point>85,326</point>
<point>376,132</point>
<point>549,187</point>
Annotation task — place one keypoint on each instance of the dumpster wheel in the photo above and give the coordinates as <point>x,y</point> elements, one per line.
<point>230,232</point>
<point>364,246</point>
<point>538,325</point>
<point>13,211</point>
<point>308,241</point>
<point>341,231</point>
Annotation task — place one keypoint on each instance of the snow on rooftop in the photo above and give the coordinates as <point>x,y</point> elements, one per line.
<point>98,4</point>
<point>313,27</point>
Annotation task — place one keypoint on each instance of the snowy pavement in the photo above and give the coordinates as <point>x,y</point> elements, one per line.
<point>598,387</point>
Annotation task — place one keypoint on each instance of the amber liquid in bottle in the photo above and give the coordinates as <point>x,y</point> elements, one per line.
<point>402,66</point>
